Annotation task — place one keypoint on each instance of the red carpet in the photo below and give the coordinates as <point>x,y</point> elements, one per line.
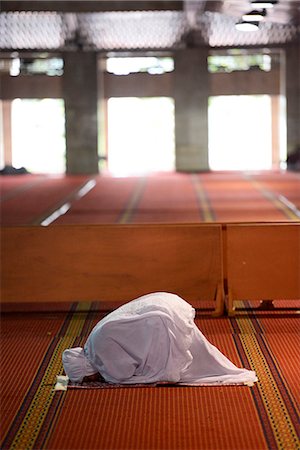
<point>29,199</point>
<point>265,416</point>
<point>233,417</point>
<point>240,197</point>
<point>281,185</point>
<point>108,202</point>
<point>157,198</point>
<point>168,198</point>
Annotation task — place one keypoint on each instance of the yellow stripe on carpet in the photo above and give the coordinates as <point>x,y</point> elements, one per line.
<point>207,212</point>
<point>133,201</point>
<point>37,411</point>
<point>288,209</point>
<point>278,415</point>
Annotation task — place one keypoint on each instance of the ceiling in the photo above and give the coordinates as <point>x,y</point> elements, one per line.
<point>141,25</point>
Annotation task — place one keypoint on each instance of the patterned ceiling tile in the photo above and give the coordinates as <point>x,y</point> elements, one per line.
<point>129,30</point>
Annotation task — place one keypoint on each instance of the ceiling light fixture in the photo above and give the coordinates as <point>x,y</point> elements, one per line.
<point>246,26</point>
<point>254,16</point>
<point>263,4</point>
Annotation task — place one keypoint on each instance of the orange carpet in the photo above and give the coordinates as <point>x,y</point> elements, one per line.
<point>168,198</point>
<point>29,199</point>
<point>265,416</point>
<point>157,198</point>
<point>237,196</point>
<point>110,201</point>
<point>13,185</point>
<point>280,184</point>
<point>33,416</point>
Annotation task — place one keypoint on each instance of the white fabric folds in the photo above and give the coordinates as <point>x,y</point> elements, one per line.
<point>154,339</point>
<point>76,365</point>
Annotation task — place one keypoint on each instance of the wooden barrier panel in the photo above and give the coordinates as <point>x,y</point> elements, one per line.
<point>104,262</point>
<point>262,261</point>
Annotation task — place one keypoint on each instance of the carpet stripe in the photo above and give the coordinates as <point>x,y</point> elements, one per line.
<point>127,215</point>
<point>286,394</point>
<point>64,205</point>
<point>286,207</point>
<point>258,400</point>
<point>52,416</point>
<point>280,421</point>
<point>37,403</point>
<point>89,319</point>
<point>207,212</point>
<point>50,421</point>
<point>18,421</point>
<point>168,418</point>
<point>289,400</point>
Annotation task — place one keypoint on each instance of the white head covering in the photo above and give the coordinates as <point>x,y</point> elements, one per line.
<point>76,364</point>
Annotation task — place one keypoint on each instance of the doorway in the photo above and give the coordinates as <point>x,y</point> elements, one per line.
<point>240,132</point>
<point>141,135</point>
<point>38,135</point>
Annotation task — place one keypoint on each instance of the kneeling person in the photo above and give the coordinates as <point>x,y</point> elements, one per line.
<point>148,340</point>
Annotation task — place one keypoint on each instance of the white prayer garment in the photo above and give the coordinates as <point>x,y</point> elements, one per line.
<point>149,340</point>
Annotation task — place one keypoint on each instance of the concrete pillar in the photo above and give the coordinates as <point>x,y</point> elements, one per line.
<point>102,116</point>
<point>81,97</point>
<point>292,89</point>
<point>191,90</point>
<point>7,132</point>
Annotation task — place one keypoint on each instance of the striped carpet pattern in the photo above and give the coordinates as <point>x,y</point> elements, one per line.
<point>266,416</point>
<point>156,198</point>
<point>34,416</point>
<point>29,199</point>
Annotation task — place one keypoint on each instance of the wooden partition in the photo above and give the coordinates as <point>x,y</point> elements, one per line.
<point>261,261</point>
<point>104,262</point>
<point>250,261</point>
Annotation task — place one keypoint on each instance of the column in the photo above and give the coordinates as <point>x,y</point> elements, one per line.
<point>191,90</point>
<point>81,97</point>
<point>292,89</point>
<point>102,116</point>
